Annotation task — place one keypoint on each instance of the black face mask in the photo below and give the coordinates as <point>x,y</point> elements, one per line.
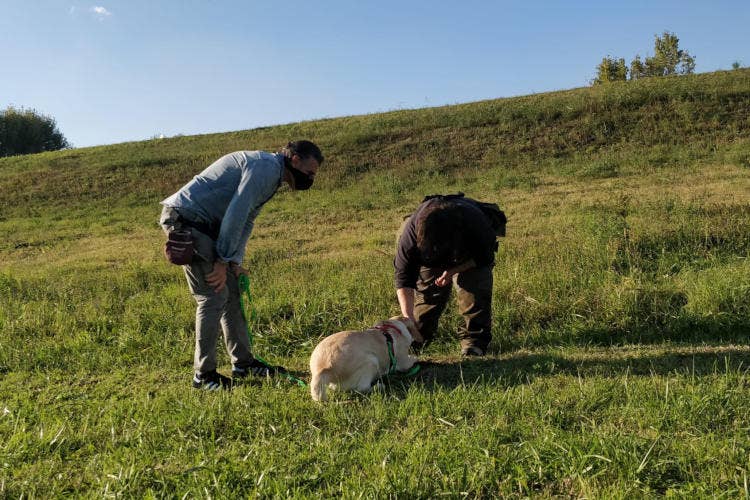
<point>302,181</point>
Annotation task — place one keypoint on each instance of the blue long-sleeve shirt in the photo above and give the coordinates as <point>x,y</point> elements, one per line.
<point>229,194</point>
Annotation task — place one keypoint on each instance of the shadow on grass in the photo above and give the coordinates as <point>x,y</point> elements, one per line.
<point>683,330</point>
<point>524,367</point>
<point>646,328</point>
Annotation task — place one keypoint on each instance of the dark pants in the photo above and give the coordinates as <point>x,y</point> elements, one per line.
<point>474,289</point>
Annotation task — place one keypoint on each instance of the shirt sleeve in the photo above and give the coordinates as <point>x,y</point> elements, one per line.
<point>257,184</point>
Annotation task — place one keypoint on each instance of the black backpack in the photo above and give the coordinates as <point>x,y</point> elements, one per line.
<point>497,217</point>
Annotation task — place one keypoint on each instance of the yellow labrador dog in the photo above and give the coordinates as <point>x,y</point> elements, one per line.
<point>353,360</point>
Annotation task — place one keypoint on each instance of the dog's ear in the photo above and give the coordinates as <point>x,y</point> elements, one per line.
<point>411,326</point>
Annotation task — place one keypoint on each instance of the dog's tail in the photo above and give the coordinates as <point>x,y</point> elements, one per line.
<point>318,385</point>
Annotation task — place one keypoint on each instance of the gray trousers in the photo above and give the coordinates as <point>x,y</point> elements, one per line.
<point>213,310</point>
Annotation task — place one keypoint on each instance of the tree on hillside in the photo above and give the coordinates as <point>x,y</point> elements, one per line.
<point>24,131</point>
<point>611,70</point>
<point>668,59</point>
<point>637,68</point>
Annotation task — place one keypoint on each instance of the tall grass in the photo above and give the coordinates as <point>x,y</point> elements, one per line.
<point>621,309</point>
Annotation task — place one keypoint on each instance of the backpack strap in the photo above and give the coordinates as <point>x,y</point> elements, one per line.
<point>443,196</point>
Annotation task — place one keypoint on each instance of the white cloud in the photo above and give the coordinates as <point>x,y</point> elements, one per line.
<point>100,12</point>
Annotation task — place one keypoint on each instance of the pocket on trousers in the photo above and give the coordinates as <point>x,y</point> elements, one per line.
<point>179,248</point>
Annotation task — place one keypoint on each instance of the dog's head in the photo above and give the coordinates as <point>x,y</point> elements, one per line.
<point>408,327</point>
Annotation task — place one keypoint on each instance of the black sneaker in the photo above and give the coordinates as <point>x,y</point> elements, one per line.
<point>472,351</point>
<point>256,369</point>
<point>212,381</point>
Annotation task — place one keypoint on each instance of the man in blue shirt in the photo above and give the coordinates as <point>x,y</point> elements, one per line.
<point>219,207</point>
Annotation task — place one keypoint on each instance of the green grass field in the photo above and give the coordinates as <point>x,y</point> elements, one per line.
<point>619,365</point>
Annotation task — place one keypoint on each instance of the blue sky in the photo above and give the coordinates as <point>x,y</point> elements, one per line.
<point>116,71</point>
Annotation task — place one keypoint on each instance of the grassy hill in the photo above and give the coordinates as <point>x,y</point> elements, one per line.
<point>622,308</point>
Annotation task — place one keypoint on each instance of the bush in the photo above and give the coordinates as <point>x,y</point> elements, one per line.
<point>24,131</point>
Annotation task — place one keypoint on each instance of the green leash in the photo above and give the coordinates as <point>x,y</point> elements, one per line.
<point>392,369</point>
<point>244,283</point>
<point>411,372</point>
<point>391,355</point>
<point>392,358</point>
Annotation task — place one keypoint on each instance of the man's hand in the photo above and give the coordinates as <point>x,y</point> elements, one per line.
<point>238,269</point>
<point>217,278</point>
<point>444,279</point>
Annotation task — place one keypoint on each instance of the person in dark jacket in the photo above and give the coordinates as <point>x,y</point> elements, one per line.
<point>447,240</point>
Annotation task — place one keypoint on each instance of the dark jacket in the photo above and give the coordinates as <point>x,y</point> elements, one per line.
<point>478,233</point>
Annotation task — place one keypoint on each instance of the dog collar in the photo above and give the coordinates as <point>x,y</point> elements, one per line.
<point>388,328</point>
<point>386,331</point>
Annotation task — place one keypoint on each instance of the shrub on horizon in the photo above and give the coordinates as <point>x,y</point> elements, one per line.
<point>25,131</point>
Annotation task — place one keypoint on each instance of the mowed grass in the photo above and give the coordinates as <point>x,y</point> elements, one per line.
<point>622,309</point>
